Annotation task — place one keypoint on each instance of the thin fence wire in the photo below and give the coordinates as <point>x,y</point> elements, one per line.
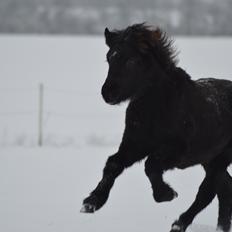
<point>48,91</point>
<point>67,91</point>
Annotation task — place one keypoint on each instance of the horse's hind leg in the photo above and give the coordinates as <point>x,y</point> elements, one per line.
<point>224,193</point>
<point>154,170</point>
<point>204,197</point>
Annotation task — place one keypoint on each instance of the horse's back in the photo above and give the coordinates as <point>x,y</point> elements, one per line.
<point>217,92</point>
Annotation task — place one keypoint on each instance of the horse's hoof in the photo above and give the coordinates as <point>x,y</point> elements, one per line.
<point>93,203</point>
<point>177,227</point>
<point>88,208</point>
<point>168,194</point>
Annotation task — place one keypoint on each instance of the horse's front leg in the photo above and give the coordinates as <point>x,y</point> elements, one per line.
<point>128,154</point>
<point>166,156</point>
<point>154,169</point>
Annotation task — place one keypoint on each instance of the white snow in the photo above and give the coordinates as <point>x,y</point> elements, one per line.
<point>41,189</point>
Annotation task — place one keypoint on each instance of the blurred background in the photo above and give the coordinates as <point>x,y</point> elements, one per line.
<point>179,17</point>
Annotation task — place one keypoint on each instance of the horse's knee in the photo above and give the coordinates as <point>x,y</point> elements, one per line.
<point>114,166</point>
<point>223,183</point>
<point>161,191</point>
<point>224,189</point>
<point>154,171</point>
<point>153,166</point>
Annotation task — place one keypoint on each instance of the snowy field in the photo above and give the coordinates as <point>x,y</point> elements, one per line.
<point>41,189</point>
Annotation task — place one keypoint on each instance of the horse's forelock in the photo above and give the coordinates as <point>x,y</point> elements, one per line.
<point>148,39</point>
<point>141,35</point>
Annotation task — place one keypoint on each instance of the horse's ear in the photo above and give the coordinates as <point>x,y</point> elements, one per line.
<point>110,37</point>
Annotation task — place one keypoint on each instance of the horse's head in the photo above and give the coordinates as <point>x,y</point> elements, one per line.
<point>134,54</point>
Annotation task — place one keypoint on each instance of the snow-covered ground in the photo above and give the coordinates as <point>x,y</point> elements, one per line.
<point>41,189</point>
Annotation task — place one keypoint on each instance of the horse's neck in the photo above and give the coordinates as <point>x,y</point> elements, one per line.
<point>166,92</point>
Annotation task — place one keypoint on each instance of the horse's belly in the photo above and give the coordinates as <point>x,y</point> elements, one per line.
<point>195,159</point>
<point>202,153</point>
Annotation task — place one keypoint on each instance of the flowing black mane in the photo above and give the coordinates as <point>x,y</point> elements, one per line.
<point>150,40</point>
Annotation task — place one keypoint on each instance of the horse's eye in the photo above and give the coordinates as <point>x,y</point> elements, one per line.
<point>115,54</point>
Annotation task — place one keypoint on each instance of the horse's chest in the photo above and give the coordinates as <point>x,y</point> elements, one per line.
<point>138,125</point>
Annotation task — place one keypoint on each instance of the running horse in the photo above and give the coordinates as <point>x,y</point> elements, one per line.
<point>171,120</point>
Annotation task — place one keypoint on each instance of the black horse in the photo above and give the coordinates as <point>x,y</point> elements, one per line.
<point>171,120</point>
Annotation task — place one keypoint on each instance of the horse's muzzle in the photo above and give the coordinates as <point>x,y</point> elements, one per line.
<point>110,93</point>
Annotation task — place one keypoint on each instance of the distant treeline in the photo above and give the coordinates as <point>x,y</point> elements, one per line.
<point>180,17</point>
